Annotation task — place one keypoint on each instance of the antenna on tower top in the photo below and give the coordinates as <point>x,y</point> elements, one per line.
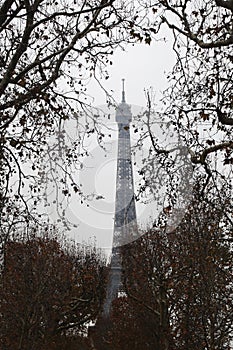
<point>123,90</point>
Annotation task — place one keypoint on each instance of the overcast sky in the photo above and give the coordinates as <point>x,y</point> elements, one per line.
<point>143,67</point>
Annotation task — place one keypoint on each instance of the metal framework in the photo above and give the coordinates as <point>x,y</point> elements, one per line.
<point>125,224</point>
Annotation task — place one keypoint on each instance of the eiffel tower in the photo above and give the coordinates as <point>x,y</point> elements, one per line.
<point>125,224</point>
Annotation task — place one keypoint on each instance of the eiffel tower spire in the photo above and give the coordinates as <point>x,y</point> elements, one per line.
<point>123,91</point>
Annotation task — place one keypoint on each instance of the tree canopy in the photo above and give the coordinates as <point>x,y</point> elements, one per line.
<point>197,105</point>
<point>49,51</point>
<point>49,290</point>
<point>178,290</point>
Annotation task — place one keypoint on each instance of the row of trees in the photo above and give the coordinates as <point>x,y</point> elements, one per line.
<point>178,289</point>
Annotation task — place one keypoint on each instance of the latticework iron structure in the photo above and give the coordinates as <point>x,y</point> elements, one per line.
<point>125,225</point>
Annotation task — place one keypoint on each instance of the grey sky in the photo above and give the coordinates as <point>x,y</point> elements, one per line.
<point>143,67</point>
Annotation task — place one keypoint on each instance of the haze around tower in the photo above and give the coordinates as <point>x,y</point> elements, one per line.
<point>142,67</point>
